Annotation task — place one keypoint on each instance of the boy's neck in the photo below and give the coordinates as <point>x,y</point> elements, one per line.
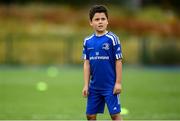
<point>101,33</point>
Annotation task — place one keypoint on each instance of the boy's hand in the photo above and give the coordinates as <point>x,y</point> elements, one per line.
<point>85,91</point>
<point>117,88</point>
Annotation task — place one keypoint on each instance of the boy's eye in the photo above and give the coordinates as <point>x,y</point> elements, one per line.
<point>96,19</point>
<point>102,18</point>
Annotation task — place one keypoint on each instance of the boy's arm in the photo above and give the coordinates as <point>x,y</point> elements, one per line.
<point>118,86</point>
<point>86,78</point>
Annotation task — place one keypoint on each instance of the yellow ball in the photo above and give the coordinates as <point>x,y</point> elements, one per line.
<point>41,86</point>
<point>124,111</point>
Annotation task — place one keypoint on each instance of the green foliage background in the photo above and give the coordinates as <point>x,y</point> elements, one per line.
<point>53,34</point>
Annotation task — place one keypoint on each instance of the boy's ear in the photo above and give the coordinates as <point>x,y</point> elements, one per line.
<point>90,22</point>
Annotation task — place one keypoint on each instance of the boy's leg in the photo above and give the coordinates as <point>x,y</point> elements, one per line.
<point>116,117</point>
<point>113,104</point>
<point>95,104</point>
<point>91,117</point>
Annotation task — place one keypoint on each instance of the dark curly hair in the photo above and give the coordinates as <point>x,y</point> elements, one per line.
<point>97,9</point>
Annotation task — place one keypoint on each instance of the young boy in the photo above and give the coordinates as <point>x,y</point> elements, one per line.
<point>102,67</point>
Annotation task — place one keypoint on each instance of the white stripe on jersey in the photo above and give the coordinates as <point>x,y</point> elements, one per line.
<point>84,56</point>
<point>110,36</point>
<point>116,38</point>
<point>87,38</point>
<point>118,56</point>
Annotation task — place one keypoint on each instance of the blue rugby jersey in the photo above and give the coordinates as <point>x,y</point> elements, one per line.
<point>102,52</point>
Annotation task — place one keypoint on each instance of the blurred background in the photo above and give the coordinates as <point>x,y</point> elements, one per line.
<point>40,57</point>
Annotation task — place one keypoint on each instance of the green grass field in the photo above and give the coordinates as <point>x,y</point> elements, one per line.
<point>148,93</point>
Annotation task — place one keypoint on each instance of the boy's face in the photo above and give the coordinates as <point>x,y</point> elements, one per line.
<point>99,22</point>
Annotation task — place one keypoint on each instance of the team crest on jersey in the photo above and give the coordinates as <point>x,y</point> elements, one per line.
<point>105,46</point>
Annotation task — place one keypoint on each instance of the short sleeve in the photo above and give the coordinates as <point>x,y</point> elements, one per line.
<point>117,49</point>
<point>85,53</point>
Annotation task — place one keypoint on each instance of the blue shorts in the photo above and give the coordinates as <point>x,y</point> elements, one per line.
<point>96,102</point>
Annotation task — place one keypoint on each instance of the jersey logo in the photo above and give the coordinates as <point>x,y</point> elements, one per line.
<point>97,53</point>
<point>118,49</point>
<point>115,108</point>
<point>105,46</point>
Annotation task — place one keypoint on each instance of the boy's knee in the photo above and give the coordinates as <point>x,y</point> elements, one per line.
<point>91,117</point>
<point>116,117</point>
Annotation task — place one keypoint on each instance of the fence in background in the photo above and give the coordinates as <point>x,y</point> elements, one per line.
<point>40,49</point>
<point>56,49</point>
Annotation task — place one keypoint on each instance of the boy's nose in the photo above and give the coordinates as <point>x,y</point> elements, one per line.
<point>100,21</point>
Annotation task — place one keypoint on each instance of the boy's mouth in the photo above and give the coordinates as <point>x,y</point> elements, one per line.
<point>100,26</point>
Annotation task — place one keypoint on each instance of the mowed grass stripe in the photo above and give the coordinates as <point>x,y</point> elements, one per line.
<point>147,93</point>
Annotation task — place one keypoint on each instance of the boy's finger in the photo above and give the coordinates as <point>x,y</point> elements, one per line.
<point>114,91</point>
<point>85,93</point>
